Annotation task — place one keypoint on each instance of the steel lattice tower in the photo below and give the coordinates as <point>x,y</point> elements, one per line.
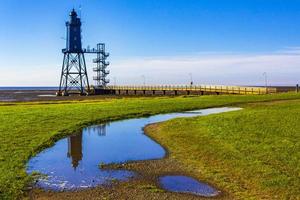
<point>101,72</point>
<point>74,77</point>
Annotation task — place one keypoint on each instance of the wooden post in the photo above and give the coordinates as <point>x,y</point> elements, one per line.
<point>297,88</point>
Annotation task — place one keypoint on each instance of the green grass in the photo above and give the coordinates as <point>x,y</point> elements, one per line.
<point>27,128</point>
<point>251,154</point>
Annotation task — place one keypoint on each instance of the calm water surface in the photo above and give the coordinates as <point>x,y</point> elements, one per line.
<point>187,185</point>
<point>73,162</point>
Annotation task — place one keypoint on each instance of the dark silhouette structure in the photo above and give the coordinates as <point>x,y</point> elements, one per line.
<point>74,77</point>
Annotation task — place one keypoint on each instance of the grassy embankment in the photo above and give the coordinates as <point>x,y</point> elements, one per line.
<point>252,154</point>
<point>27,128</point>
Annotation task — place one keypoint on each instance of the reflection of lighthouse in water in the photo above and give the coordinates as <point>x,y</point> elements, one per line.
<point>75,143</point>
<point>100,129</point>
<point>75,149</point>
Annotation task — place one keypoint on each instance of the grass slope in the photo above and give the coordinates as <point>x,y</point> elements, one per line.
<point>252,154</point>
<point>27,128</point>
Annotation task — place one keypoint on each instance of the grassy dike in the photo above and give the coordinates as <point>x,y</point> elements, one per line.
<point>27,128</point>
<point>251,154</point>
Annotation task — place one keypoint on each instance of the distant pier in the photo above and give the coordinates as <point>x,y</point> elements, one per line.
<point>183,90</point>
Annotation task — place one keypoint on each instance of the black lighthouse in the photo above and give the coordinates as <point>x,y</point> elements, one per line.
<point>74,77</point>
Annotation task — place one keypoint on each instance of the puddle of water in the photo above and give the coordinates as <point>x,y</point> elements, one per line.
<point>186,184</point>
<point>73,162</point>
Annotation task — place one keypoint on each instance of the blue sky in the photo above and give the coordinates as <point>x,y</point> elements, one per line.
<point>219,41</point>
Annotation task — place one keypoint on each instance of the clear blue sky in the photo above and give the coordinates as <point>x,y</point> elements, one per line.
<point>154,31</point>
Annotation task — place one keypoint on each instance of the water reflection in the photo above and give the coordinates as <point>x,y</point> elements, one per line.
<point>100,130</point>
<point>73,162</point>
<point>75,143</point>
<point>75,149</point>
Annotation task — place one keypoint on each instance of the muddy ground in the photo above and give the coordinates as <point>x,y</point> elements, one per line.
<point>144,186</point>
<point>50,95</point>
<point>41,95</point>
